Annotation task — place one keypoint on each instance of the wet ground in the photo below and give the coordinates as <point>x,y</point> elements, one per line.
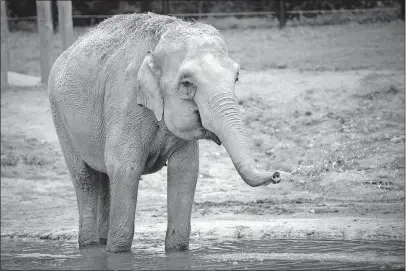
<point>256,255</point>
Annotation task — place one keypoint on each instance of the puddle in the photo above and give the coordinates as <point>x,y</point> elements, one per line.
<point>247,255</point>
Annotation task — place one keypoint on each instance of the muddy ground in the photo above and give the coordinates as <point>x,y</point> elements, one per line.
<point>339,128</point>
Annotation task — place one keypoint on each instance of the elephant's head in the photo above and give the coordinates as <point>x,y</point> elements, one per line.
<point>188,80</point>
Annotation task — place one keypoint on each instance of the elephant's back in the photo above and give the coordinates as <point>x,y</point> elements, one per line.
<point>102,41</point>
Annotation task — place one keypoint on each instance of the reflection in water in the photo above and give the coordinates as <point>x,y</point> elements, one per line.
<point>94,258</point>
<point>264,254</point>
<point>177,260</point>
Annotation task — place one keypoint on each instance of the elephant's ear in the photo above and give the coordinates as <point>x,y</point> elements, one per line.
<point>148,91</point>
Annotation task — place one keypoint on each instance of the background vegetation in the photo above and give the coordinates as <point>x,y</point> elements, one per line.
<point>27,9</point>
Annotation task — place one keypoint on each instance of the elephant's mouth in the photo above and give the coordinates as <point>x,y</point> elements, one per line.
<point>199,119</point>
<point>206,134</point>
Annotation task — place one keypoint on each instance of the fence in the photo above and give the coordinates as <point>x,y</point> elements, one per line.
<point>45,30</point>
<point>65,21</point>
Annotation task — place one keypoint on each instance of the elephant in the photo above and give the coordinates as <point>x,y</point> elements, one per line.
<point>132,95</point>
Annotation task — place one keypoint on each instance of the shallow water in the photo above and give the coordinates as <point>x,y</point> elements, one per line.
<point>256,255</point>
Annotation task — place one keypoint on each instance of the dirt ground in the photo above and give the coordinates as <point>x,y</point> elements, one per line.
<point>340,130</point>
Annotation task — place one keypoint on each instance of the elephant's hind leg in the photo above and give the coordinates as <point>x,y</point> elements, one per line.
<point>86,183</point>
<point>103,216</point>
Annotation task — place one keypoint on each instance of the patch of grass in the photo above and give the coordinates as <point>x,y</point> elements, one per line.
<point>36,159</point>
<point>29,151</point>
<point>264,209</point>
<point>21,155</point>
<point>9,159</point>
<point>260,203</point>
<point>205,211</point>
<point>392,89</point>
<point>325,210</point>
<point>242,232</point>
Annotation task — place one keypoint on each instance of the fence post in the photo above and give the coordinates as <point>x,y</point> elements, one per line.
<point>282,20</point>
<point>4,46</point>
<point>200,6</point>
<point>165,7</point>
<point>263,5</point>
<point>45,29</point>
<point>65,23</point>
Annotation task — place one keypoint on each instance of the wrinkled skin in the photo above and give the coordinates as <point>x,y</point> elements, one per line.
<point>135,94</point>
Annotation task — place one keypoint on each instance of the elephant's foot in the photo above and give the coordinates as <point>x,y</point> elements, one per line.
<point>103,241</point>
<point>118,248</point>
<point>88,244</point>
<point>119,244</point>
<point>87,239</point>
<point>177,240</point>
<point>176,248</point>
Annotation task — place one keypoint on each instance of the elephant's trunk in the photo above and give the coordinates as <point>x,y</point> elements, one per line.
<point>227,124</point>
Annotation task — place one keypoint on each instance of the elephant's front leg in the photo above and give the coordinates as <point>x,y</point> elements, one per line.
<point>183,169</point>
<point>124,178</point>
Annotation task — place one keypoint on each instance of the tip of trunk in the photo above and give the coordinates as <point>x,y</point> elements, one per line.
<point>254,177</point>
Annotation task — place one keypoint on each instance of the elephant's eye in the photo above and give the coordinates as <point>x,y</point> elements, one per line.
<point>236,79</point>
<point>186,84</point>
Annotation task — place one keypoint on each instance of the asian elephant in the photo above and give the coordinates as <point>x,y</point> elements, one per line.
<point>135,94</point>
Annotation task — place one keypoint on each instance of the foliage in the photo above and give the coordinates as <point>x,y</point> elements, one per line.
<point>25,8</point>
